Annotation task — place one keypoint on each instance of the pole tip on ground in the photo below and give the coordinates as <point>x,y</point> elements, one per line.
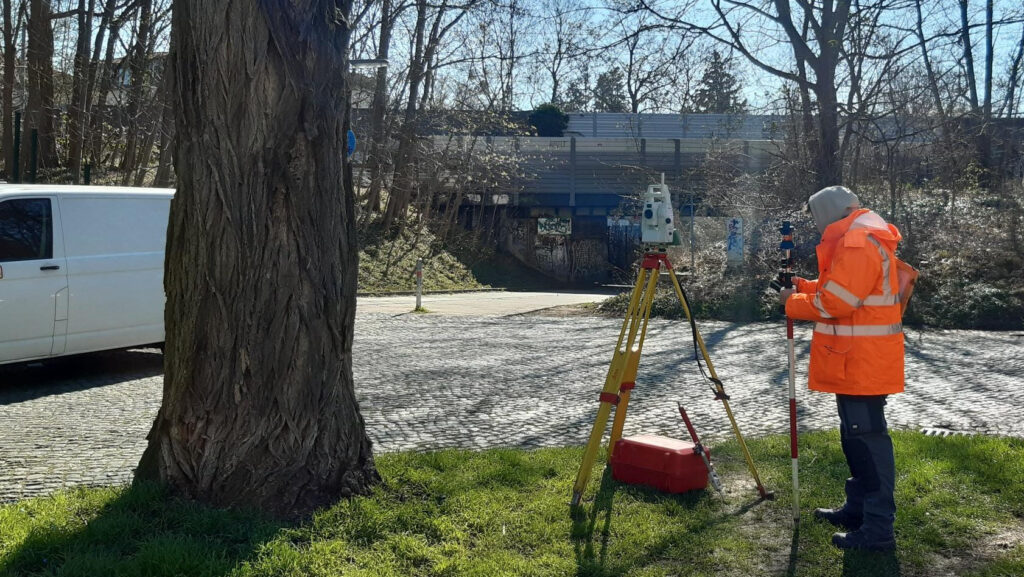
<point>768,495</point>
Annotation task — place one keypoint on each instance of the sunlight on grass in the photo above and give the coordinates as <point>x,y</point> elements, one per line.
<point>505,512</point>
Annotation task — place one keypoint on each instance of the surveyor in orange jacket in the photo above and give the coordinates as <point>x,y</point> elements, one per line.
<point>856,353</point>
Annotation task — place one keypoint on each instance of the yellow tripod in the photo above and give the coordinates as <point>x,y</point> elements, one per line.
<point>621,378</point>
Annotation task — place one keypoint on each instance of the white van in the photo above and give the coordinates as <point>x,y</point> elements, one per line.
<point>81,269</point>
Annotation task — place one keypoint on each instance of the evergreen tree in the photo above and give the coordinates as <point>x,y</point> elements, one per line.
<point>610,92</point>
<point>719,90</point>
<point>577,96</point>
<point>549,120</point>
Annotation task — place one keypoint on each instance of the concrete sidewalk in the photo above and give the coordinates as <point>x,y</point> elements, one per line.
<point>479,304</point>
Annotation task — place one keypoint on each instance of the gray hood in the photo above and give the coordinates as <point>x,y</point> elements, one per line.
<point>830,204</point>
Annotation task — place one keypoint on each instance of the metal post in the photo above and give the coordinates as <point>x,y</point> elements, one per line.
<point>15,171</point>
<point>419,284</point>
<point>572,171</point>
<point>693,265</point>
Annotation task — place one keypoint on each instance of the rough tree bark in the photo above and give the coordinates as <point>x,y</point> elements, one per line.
<point>259,408</point>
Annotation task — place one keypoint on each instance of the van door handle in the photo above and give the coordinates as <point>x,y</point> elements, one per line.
<point>50,267</point>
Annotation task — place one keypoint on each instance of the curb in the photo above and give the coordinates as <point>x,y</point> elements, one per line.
<point>413,293</point>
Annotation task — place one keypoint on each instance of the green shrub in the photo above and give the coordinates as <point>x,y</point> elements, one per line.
<point>954,303</point>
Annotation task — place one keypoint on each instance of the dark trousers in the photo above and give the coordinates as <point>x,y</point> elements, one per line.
<point>869,454</point>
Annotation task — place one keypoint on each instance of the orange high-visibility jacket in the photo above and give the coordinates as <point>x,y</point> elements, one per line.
<point>857,346</point>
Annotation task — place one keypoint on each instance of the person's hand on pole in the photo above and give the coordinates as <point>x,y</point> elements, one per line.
<point>784,295</point>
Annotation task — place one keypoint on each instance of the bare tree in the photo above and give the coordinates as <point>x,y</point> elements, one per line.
<point>10,63</point>
<point>1011,103</point>
<point>651,58</point>
<point>425,44</point>
<point>40,109</point>
<point>79,92</point>
<point>378,155</point>
<point>166,130</point>
<point>138,67</point>
<point>565,28</point>
<point>106,72</point>
<point>815,35</point>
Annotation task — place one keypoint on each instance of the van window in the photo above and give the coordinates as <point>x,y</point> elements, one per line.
<point>26,229</point>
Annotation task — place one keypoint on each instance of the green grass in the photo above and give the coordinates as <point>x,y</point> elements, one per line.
<point>389,266</point>
<point>505,512</point>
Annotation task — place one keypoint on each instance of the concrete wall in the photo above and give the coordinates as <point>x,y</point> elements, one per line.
<point>579,257</point>
<point>604,249</point>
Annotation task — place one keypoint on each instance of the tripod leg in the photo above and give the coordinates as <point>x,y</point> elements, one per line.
<point>632,366</point>
<point>609,394</point>
<point>719,389</point>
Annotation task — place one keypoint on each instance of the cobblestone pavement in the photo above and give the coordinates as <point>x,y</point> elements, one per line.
<point>428,382</point>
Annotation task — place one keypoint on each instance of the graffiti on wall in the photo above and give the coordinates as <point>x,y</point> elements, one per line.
<point>554,226</point>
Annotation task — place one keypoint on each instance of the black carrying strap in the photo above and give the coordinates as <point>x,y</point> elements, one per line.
<point>719,391</point>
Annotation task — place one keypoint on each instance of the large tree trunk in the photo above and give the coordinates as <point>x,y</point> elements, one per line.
<point>39,111</point>
<point>259,408</point>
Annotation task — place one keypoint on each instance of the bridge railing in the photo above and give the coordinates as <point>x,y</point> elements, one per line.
<point>585,172</point>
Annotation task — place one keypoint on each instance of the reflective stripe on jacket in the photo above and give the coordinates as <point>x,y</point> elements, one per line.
<point>857,345</point>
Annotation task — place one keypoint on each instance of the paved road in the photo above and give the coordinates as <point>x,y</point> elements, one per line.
<point>433,381</point>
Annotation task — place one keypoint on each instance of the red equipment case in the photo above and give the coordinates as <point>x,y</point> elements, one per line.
<point>669,465</point>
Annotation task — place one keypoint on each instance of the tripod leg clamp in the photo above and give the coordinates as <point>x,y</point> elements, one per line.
<point>720,391</point>
<point>609,398</point>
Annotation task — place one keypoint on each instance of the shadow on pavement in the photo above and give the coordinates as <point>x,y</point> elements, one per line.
<point>28,381</point>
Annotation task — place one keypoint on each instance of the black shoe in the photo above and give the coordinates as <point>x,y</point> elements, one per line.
<point>840,518</point>
<point>855,540</point>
